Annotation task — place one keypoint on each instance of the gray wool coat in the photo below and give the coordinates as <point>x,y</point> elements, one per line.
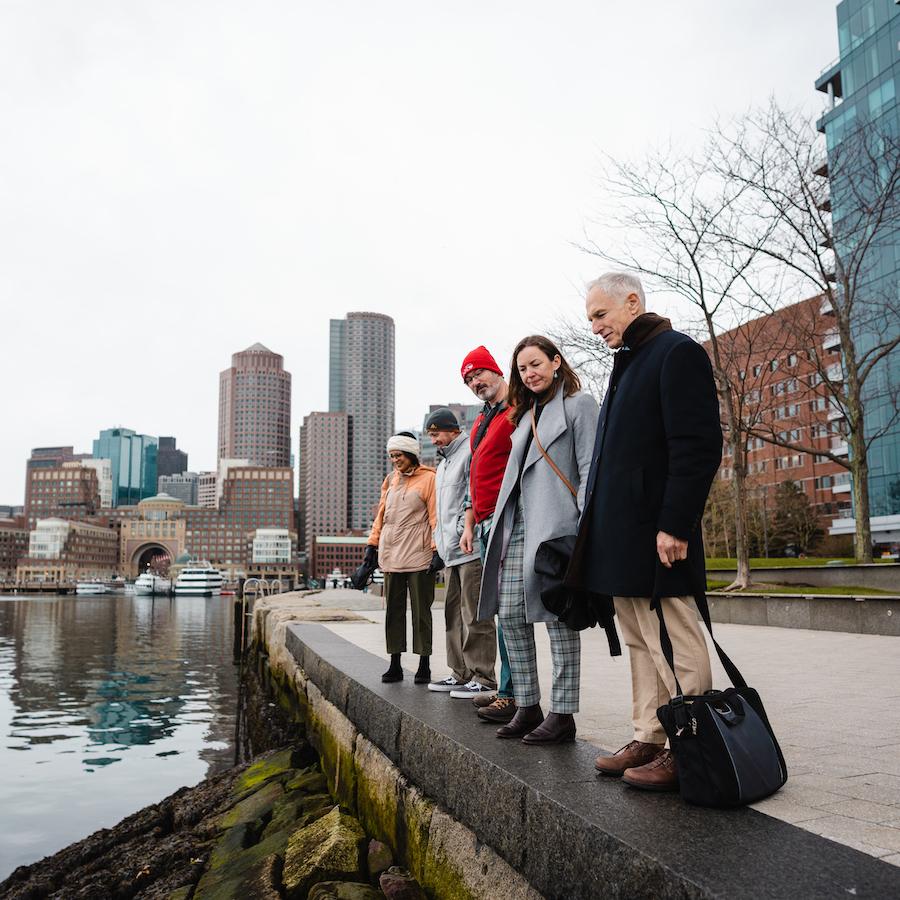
<point>566,428</point>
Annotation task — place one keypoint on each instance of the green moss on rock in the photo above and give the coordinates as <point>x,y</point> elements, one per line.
<point>328,850</point>
<point>254,807</point>
<point>264,770</point>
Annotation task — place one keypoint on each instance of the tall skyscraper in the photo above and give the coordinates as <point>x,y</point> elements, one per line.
<point>133,460</point>
<point>170,460</point>
<point>863,86</point>
<point>324,470</point>
<point>361,384</point>
<point>255,408</point>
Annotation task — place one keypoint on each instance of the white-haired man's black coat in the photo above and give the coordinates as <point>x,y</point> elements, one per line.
<point>657,450</point>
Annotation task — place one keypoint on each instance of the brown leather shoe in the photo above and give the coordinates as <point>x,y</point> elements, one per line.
<point>557,728</point>
<point>658,775</point>
<point>526,719</point>
<point>500,711</point>
<point>486,699</point>
<point>632,755</point>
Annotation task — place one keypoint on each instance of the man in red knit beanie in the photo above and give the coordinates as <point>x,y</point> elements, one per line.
<point>491,445</point>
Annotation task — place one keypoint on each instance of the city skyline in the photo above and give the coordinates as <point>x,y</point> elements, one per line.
<point>184,227</point>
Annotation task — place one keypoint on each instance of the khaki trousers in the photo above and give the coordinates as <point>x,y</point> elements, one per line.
<point>471,645</point>
<point>421,596</point>
<point>652,682</point>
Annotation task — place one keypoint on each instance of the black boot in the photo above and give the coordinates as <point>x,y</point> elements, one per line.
<point>557,728</point>
<point>394,672</point>
<point>526,719</point>
<point>423,675</point>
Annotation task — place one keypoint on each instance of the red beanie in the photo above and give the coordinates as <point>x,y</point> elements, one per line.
<point>479,358</point>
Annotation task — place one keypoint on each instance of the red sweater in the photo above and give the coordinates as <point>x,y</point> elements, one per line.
<point>489,463</point>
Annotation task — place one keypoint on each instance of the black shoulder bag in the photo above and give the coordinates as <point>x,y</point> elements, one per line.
<point>725,750</point>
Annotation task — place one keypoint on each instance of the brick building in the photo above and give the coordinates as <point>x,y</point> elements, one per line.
<point>13,546</point>
<point>61,551</point>
<point>255,408</point>
<point>342,552</point>
<point>324,476</point>
<point>779,366</point>
<point>67,491</point>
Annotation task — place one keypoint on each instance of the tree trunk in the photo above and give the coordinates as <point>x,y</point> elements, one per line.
<point>860,470</point>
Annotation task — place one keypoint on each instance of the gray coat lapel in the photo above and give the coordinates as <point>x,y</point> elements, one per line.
<point>551,425</point>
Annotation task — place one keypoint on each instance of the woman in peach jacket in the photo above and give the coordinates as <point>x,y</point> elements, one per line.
<point>401,543</point>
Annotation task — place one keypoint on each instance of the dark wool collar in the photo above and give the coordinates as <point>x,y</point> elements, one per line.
<point>644,328</point>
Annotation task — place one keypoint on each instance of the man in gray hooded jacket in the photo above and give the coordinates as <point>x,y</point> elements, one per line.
<point>471,645</point>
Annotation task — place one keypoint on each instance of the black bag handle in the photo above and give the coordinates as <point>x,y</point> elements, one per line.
<point>665,641</point>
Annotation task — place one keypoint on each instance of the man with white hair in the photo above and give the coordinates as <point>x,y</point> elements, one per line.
<point>657,450</point>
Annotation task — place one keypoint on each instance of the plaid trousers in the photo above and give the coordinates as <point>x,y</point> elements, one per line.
<point>565,644</point>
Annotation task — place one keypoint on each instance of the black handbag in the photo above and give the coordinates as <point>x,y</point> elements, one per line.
<point>725,750</point>
<point>576,608</point>
<point>363,576</point>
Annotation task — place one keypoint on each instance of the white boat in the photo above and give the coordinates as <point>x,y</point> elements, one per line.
<point>151,584</point>
<point>92,587</point>
<point>199,580</point>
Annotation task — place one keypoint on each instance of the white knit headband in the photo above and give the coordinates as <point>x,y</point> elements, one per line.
<point>404,444</point>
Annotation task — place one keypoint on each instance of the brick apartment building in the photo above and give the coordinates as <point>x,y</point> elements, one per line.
<point>778,365</point>
<point>13,546</point>
<point>61,551</point>
<point>342,552</point>
<point>67,491</point>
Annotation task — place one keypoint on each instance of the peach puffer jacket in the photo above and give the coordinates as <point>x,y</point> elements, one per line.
<point>404,524</point>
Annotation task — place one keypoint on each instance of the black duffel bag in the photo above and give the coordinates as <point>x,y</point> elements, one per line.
<point>725,750</point>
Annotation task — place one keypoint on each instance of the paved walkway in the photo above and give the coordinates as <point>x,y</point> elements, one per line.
<point>833,698</point>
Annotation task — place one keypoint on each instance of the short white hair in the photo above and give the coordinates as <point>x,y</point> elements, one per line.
<point>619,285</point>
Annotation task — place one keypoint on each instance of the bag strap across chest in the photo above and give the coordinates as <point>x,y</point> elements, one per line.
<point>546,456</point>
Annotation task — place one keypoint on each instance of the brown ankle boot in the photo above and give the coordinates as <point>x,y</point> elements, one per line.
<point>557,728</point>
<point>526,719</point>
<point>632,755</point>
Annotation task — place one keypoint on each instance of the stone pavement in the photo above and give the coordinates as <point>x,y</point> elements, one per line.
<point>833,699</point>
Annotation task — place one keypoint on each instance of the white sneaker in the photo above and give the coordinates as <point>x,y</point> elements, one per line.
<point>472,689</point>
<point>446,684</point>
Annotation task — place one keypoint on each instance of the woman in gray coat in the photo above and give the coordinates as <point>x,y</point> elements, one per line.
<point>539,500</point>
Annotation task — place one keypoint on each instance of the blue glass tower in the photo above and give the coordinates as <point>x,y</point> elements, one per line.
<point>133,458</point>
<point>863,87</point>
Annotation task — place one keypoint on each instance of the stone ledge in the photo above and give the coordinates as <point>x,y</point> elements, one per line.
<point>569,833</point>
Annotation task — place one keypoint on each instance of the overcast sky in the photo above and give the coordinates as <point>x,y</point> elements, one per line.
<point>179,180</point>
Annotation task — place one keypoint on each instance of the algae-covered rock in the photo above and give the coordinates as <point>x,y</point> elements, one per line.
<point>398,884</point>
<point>327,850</point>
<point>255,867</point>
<point>265,769</point>
<point>259,882</point>
<point>379,858</point>
<point>297,809</point>
<point>312,782</point>
<point>343,890</point>
<point>253,807</point>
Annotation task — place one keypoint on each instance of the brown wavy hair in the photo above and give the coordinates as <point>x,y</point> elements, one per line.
<point>519,398</point>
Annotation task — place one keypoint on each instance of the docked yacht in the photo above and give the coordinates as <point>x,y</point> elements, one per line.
<point>152,584</point>
<point>200,580</point>
<point>92,587</point>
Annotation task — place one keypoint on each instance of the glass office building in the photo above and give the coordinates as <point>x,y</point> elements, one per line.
<point>863,87</point>
<point>133,458</point>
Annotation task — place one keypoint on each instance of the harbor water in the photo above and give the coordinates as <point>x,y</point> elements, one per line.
<point>107,704</point>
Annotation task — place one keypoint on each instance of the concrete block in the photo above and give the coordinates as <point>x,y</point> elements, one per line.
<point>459,865</point>
<point>379,787</point>
<point>835,615</point>
<point>749,611</point>
<point>334,736</point>
<point>880,617</point>
<point>789,612</point>
<point>417,813</point>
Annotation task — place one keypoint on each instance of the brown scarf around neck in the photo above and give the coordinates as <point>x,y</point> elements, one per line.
<point>644,328</point>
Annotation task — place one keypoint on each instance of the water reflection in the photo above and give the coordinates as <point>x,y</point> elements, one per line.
<point>107,703</point>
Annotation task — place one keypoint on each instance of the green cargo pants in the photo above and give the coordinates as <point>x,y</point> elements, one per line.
<point>421,596</point>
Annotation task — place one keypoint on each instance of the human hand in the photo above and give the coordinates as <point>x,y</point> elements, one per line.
<point>436,563</point>
<point>372,556</point>
<point>670,548</point>
<point>466,538</point>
